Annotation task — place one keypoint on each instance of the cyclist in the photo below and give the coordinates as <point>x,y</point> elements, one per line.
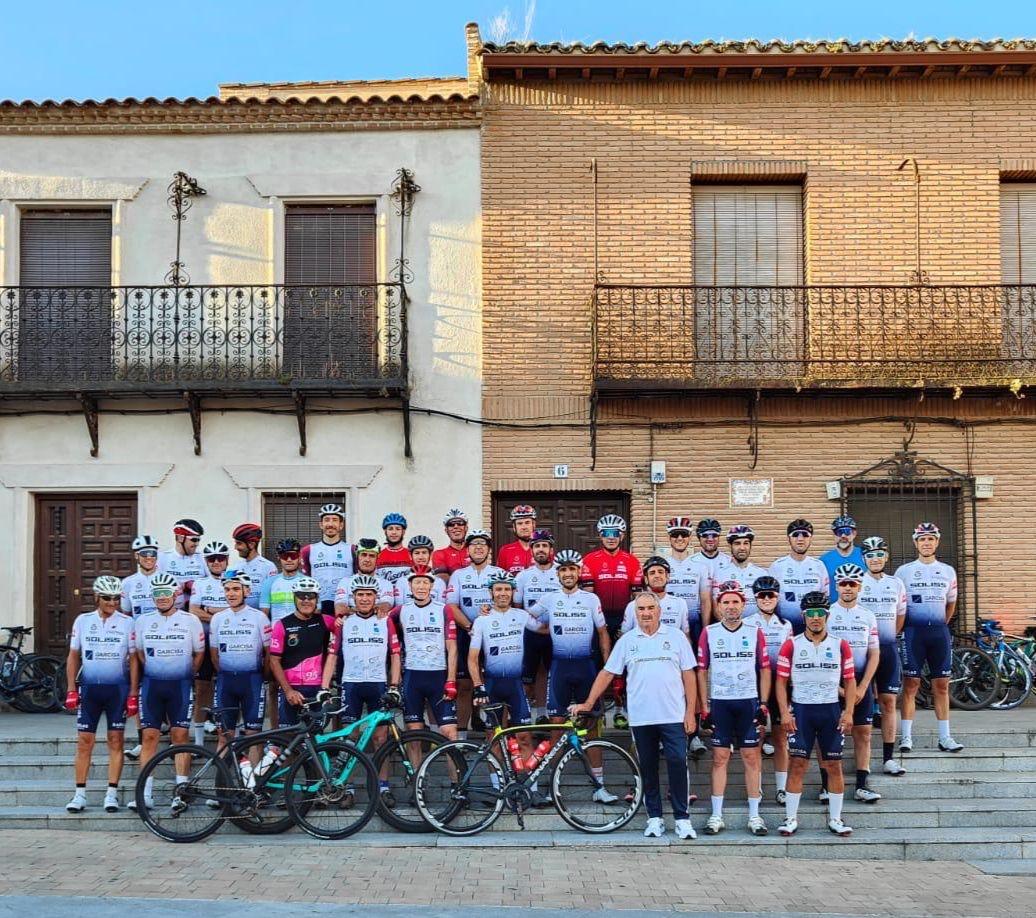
<point>885,596</point>
<point>715,562</point>
<point>571,617</point>
<point>613,574</point>
<point>740,539</point>
<point>818,666</point>
<point>844,552</point>
<point>277,600</point>
<point>467,594</point>
<point>102,660</point>
<point>303,650</point>
<point>931,590</point>
<point>430,647</point>
<point>798,573</point>
<point>207,598</point>
<point>766,592</point>
<point>733,675</point>
<point>239,636</point>
<point>184,562</point>
<point>170,647</point>
<point>366,563</point>
<point>663,706</point>
<point>673,609</point>
<point>394,559</point>
<point>687,578</point>
<point>331,559</point>
<point>454,555</point>
<point>530,585</point>
<point>136,588</point>
<point>516,556</point>
<point>402,594</point>
<point>856,625</point>
<point>246,538</point>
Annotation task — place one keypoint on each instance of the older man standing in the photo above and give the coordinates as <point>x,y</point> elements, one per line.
<point>662,698</point>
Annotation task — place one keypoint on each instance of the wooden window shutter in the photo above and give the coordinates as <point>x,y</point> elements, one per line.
<point>329,244</point>
<point>64,248</point>
<point>1018,233</point>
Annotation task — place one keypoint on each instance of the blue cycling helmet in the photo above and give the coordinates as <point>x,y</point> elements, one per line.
<point>394,519</point>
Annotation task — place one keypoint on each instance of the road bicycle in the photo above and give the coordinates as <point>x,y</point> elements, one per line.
<point>463,787</point>
<point>30,682</point>
<point>974,680</point>
<point>1013,667</point>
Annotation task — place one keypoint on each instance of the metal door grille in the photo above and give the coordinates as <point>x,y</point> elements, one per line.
<point>293,514</point>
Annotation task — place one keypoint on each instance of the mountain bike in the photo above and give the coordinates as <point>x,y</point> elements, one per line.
<point>30,682</point>
<point>463,787</point>
<point>1014,668</point>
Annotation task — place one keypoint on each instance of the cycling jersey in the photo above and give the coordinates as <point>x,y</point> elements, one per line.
<point>276,596</point>
<point>655,665</point>
<point>364,644</point>
<point>468,589</point>
<point>208,593</point>
<point>674,614</point>
<point>136,594</point>
<point>833,559</point>
<point>514,557</point>
<point>401,593</point>
<point>613,577</point>
<point>885,596</point>
<point>733,659</point>
<point>394,563</point>
<point>746,576</point>
<point>449,559</point>
<point>426,629</point>
<point>775,631</point>
<point>687,579</point>
<point>571,619</point>
<point>501,637</point>
<point>717,567</point>
<point>816,670</point>
<point>327,563</point>
<point>184,568</point>
<point>343,594</point>
<point>533,583</point>
<point>303,645</point>
<point>797,578</point>
<point>929,589</point>
<point>240,637</point>
<point>169,643</point>
<point>259,569</point>
<point>858,628</point>
<point>104,646</point>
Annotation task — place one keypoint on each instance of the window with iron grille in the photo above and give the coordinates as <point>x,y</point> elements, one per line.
<point>293,515</point>
<point>1018,267</point>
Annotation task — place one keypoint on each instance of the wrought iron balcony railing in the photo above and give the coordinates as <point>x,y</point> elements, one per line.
<point>233,338</point>
<point>697,336</point>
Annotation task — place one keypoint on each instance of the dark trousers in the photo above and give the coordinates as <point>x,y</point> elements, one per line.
<point>673,740</point>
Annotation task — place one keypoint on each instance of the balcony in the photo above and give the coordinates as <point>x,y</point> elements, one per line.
<point>664,338</point>
<point>124,341</point>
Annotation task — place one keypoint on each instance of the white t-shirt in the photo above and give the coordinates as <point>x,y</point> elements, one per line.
<point>654,683</point>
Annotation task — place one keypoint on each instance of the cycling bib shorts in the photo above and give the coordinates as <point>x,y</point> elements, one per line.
<point>927,645</point>
<point>817,724</point>
<point>95,700</point>
<point>355,695</point>
<point>241,695</point>
<point>889,677</point>
<point>425,687</point>
<point>733,723</point>
<point>166,701</point>
<point>289,713</point>
<point>509,691</point>
<point>568,682</point>
<point>538,651</point>
<point>863,712</point>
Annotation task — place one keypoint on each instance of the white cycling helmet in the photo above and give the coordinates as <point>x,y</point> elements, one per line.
<point>215,547</point>
<point>163,582</point>
<point>611,521</point>
<point>478,534</point>
<point>332,510</point>
<point>568,558</point>
<point>238,576</point>
<point>454,513</point>
<point>305,585</point>
<point>144,542</point>
<point>107,585</point>
<point>364,582</point>
<point>846,572</point>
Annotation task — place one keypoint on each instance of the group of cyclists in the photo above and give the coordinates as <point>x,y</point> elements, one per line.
<point>771,660</point>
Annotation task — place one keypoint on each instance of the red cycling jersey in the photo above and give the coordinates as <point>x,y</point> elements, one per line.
<point>449,559</point>
<point>612,576</point>
<point>514,557</point>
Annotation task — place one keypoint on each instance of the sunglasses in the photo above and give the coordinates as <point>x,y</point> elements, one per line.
<point>192,538</point>
<point>306,597</point>
<point>217,557</point>
<point>453,524</point>
<point>148,553</point>
<point>844,532</point>
<point>679,535</point>
<point>106,598</point>
<point>610,534</point>
<point>766,594</point>
<point>815,613</point>
<point>875,554</point>
<point>289,556</point>
<point>799,532</point>
<point>848,582</point>
<point>163,594</point>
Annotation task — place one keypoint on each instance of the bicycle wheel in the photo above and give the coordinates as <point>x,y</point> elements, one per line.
<point>1015,681</point>
<point>974,680</point>
<point>459,789</point>
<point>264,811</point>
<point>573,786</point>
<point>340,799</point>
<point>184,811</point>
<point>397,762</point>
<point>48,694</point>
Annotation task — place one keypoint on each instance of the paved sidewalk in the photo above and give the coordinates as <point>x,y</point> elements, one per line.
<point>123,864</point>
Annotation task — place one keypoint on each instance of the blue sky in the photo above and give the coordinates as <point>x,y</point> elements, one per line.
<point>113,48</point>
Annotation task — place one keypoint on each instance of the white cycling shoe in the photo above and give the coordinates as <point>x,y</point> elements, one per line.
<point>684,829</point>
<point>768,749</point>
<point>714,825</point>
<point>77,804</point>
<point>134,754</point>
<point>603,795</point>
<point>838,827</point>
<point>149,803</point>
<point>892,767</point>
<point>906,744</point>
<point>789,827</point>
<point>950,745</point>
<point>824,796</point>
<point>866,795</point>
<point>655,828</point>
<point>757,826</point>
<point>111,801</point>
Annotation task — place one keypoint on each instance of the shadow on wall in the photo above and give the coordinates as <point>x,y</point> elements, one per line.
<point>454,268</point>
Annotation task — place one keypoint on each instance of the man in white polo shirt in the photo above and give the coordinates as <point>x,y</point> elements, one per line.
<point>662,699</point>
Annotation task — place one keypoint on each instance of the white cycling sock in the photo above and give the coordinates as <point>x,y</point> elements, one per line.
<point>149,786</point>
<point>944,730</point>
<point>906,726</point>
<point>753,806</point>
<point>781,778</point>
<point>791,806</point>
<point>199,734</point>
<point>181,779</point>
<point>598,774</point>
<point>717,806</point>
<point>834,805</point>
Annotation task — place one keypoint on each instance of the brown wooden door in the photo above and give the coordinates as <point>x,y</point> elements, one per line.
<point>78,537</point>
<point>571,515</point>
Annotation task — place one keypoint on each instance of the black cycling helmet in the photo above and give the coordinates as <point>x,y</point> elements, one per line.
<point>708,526</point>
<point>287,545</point>
<point>420,541</point>
<point>815,599</point>
<point>766,584</point>
<point>657,561</point>
<point>800,525</point>
<point>188,527</point>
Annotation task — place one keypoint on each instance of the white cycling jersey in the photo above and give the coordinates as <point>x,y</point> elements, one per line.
<point>930,587</point>
<point>104,646</point>
<point>136,594</point>
<point>674,614</point>
<point>240,637</point>
<point>328,563</point>
<point>533,583</point>
<point>571,619</point>
<point>816,670</point>
<point>718,567</point>
<point>400,593</point>
<point>426,629</point>
<point>501,638</point>
<point>885,596</point>
<point>733,659</point>
<point>797,578</point>
<point>365,645</point>
<point>687,579</point>
<point>468,589</point>
<point>208,593</point>
<point>746,576</point>
<point>182,568</point>
<point>169,643</point>
<point>858,628</point>
<point>259,569</point>
<point>775,630</point>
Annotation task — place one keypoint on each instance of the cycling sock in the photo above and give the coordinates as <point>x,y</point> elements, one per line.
<point>181,779</point>
<point>781,779</point>
<point>834,806</point>
<point>149,784</point>
<point>199,734</point>
<point>717,806</point>
<point>887,751</point>
<point>113,786</point>
<point>753,806</point>
<point>944,730</point>
<point>81,787</point>
<point>906,728</point>
<point>791,805</point>
<point>861,777</point>
<point>598,774</point>
<point>823,778</point>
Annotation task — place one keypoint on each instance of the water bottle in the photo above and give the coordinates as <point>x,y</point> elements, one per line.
<point>538,754</point>
<point>247,773</point>
<point>8,667</point>
<point>269,757</point>
<point>516,754</point>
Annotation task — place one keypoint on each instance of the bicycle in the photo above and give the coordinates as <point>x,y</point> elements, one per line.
<point>463,786</point>
<point>1014,669</point>
<point>237,784</point>
<point>974,680</point>
<point>30,682</point>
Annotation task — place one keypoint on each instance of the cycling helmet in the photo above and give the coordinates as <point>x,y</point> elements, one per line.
<point>163,582</point>
<point>188,527</point>
<point>367,547</point>
<point>247,532</point>
<point>815,599</point>
<point>215,547</point>
<point>237,576</point>
<point>766,584</point>
<point>657,561</point>
<point>800,525</point>
<point>730,586</point>
<point>848,572</point>
<point>332,510</point>
<point>454,514</point>
<point>523,512</point>
<point>501,577</point>
<point>420,541</point>
<point>304,585</point>
<point>611,521</point>
<point>107,585</point>
<point>874,543</point>
<point>393,519</point>
<point>679,524</point>
<point>145,542</point>
<point>287,545</point>
<point>568,558</point>
<point>708,526</point>
<point>542,535</point>
<point>478,534</point>
<point>421,570</point>
<point>842,522</point>
<point>740,532</point>
<point>923,529</point>
<point>364,582</point>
